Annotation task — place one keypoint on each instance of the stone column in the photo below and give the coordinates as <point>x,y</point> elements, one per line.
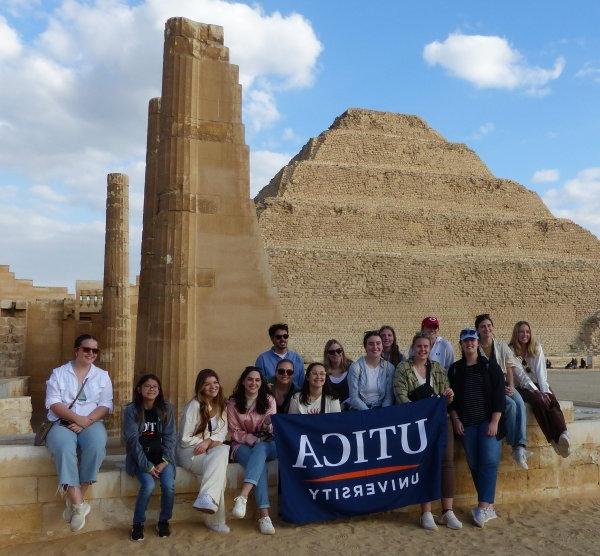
<point>212,298</point>
<point>116,349</point>
<point>150,201</point>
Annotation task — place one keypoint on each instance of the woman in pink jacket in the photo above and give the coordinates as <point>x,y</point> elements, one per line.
<point>249,413</point>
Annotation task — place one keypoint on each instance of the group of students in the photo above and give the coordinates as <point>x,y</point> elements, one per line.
<point>486,391</point>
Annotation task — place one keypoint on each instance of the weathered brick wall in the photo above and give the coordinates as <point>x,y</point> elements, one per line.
<point>380,220</point>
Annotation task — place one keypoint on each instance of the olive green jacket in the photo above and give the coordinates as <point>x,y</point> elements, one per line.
<point>405,380</point>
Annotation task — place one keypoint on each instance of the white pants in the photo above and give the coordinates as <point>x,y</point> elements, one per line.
<point>211,470</point>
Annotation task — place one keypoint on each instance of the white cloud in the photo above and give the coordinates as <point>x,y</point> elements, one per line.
<point>578,199</point>
<point>589,71</point>
<point>263,167</point>
<point>46,193</point>
<point>8,192</point>
<point>10,45</point>
<point>289,135</point>
<point>490,62</point>
<point>545,176</point>
<point>483,130</point>
<point>261,109</point>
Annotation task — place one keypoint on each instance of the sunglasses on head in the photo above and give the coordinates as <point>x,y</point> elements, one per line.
<point>85,349</point>
<point>337,351</point>
<point>279,336</point>
<point>288,372</point>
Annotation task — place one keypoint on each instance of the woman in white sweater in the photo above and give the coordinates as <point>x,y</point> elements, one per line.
<point>315,396</point>
<point>201,450</point>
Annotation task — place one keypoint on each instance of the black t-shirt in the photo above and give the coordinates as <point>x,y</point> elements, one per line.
<point>474,399</point>
<point>151,437</point>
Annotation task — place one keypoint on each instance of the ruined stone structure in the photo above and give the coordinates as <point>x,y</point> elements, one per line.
<point>150,201</point>
<point>379,220</point>
<point>117,356</point>
<point>211,299</point>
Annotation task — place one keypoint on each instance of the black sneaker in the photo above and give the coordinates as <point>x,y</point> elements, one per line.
<point>163,529</point>
<point>137,532</point>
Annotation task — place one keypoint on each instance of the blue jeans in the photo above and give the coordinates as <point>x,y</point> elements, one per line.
<point>483,456</point>
<point>515,420</point>
<point>77,457</point>
<point>167,494</point>
<point>254,460</point>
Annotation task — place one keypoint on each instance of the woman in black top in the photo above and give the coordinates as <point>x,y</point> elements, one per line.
<point>478,403</point>
<point>282,386</point>
<point>336,364</point>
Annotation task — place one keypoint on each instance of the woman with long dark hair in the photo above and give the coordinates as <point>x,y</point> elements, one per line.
<point>478,386</point>
<point>535,390</point>
<point>282,385</point>
<point>249,413</point>
<point>316,395</point>
<point>149,436</point>
<point>201,448</point>
<point>337,364</point>
<point>391,352</point>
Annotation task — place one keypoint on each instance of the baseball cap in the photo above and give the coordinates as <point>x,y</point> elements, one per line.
<point>430,321</point>
<point>468,333</point>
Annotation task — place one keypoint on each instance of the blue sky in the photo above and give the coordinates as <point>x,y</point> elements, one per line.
<point>519,82</point>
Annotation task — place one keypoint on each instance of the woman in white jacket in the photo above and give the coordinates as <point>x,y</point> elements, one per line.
<point>201,449</point>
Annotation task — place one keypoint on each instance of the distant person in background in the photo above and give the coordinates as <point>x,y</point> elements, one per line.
<point>441,349</point>
<point>149,436</point>
<point>316,396</point>
<point>337,364</point>
<point>390,352</point>
<point>267,361</point>
<point>411,384</point>
<point>282,386</point>
<point>370,376</point>
<point>535,390</point>
<point>515,412</point>
<point>582,364</point>
<point>548,364</point>
<point>78,397</point>
<point>479,401</point>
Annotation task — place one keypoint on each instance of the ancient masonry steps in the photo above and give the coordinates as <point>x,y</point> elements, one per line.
<point>30,507</point>
<point>409,226</point>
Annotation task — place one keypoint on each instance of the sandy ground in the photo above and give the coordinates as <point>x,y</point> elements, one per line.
<point>561,527</point>
<point>578,385</point>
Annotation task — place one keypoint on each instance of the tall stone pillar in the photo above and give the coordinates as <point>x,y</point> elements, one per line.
<point>212,298</point>
<point>150,201</point>
<point>116,349</point>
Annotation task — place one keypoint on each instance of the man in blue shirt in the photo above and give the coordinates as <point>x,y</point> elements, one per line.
<point>267,361</point>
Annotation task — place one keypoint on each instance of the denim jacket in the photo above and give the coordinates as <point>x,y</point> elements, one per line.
<point>136,460</point>
<point>357,382</point>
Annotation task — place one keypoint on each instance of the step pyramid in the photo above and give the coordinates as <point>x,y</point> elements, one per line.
<point>381,220</point>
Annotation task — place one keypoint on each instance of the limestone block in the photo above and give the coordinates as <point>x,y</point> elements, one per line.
<point>25,461</point>
<point>18,490</point>
<point>541,479</point>
<point>586,476</point>
<point>15,415</point>
<point>25,518</point>
<point>6,304</point>
<point>584,432</point>
<point>13,387</point>
<point>20,305</point>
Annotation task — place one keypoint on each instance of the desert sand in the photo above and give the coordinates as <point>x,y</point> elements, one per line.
<point>559,527</point>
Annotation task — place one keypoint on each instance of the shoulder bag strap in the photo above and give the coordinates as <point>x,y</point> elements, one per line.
<point>78,392</point>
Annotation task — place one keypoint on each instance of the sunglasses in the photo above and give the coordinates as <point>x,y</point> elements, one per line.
<point>337,351</point>
<point>280,336</point>
<point>288,372</point>
<point>95,351</point>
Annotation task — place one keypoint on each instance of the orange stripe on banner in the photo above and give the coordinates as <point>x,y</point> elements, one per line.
<point>363,473</point>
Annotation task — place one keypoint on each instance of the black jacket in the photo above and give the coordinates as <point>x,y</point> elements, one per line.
<point>493,384</point>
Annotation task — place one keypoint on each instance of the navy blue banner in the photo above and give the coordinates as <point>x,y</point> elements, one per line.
<point>359,462</point>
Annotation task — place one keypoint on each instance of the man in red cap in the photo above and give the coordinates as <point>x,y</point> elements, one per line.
<point>441,349</point>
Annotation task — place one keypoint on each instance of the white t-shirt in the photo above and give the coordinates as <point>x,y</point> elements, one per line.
<point>421,380</point>
<point>332,405</point>
<point>371,392</point>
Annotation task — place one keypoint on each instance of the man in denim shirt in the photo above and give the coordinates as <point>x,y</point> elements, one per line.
<point>267,360</point>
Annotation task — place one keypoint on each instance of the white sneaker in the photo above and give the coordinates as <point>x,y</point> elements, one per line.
<point>489,513</point>
<point>564,445</point>
<point>78,516</point>
<point>450,520</point>
<point>206,504</point>
<point>427,521</point>
<point>239,507</point>
<point>520,456</point>
<point>218,527</point>
<point>68,511</point>
<point>265,525</point>
<point>477,514</point>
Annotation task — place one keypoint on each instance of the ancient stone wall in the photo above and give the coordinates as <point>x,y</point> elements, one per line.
<point>380,220</point>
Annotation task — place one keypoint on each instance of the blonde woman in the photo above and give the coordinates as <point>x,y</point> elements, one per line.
<point>535,390</point>
<point>201,450</point>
